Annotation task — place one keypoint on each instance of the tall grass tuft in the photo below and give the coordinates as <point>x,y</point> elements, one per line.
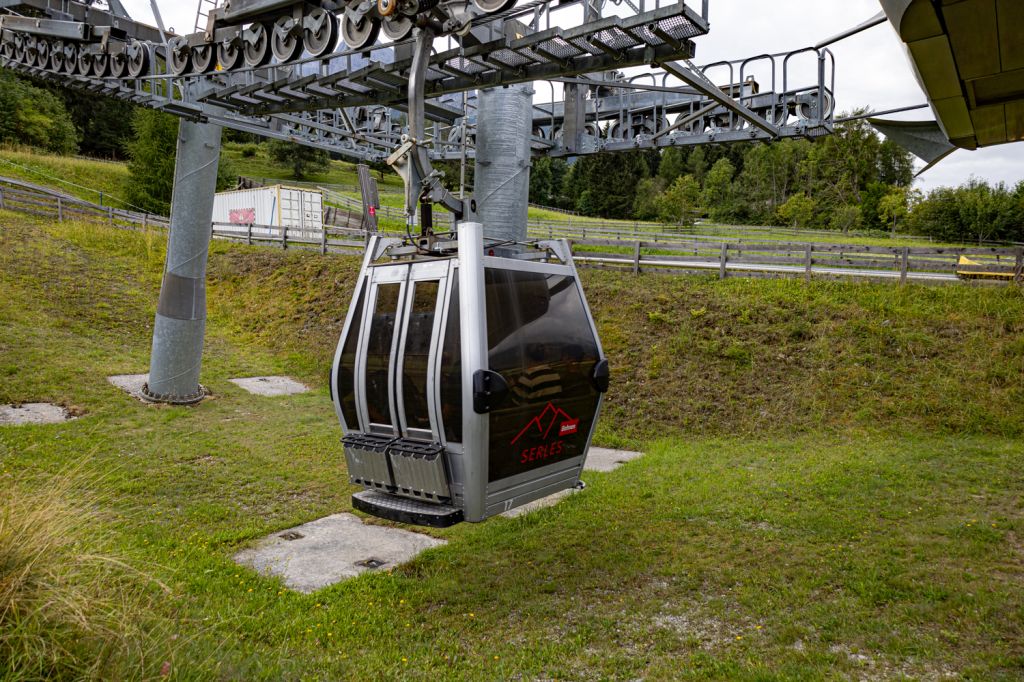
<point>66,611</point>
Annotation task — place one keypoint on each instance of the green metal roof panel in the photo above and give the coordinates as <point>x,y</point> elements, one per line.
<point>968,56</point>
<point>974,35</point>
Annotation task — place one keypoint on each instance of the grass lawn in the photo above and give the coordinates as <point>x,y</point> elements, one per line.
<point>84,178</point>
<point>261,166</point>
<point>831,486</point>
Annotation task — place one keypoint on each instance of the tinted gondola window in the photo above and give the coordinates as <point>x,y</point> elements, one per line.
<point>540,340</point>
<point>347,369</point>
<point>451,371</point>
<point>417,352</point>
<point>378,353</point>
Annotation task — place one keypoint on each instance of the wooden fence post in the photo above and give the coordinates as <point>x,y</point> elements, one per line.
<point>110,216</point>
<point>145,222</point>
<point>722,272</point>
<point>60,210</point>
<point>284,237</point>
<point>248,234</point>
<point>323,239</point>
<point>904,264</point>
<point>808,261</point>
<point>636,259</point>
<point>1,198</point>
<point>1018,270</point>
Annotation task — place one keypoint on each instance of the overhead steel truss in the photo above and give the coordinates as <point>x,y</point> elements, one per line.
<point>352,102</point>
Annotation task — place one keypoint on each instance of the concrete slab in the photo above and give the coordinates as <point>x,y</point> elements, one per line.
<point>271,386</point>
<point>326,551</point>
<point>33,413</point>
<point>542,503</point>
<point>604,459</point>
<point>130,383</point>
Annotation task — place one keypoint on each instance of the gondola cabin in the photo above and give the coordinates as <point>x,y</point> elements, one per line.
<point>467,383</point>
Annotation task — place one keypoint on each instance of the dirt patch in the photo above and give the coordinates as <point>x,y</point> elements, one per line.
<point>710,633</point>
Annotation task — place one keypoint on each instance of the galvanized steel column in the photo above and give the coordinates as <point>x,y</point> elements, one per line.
<point>181,312</point>
<point>502,174</point>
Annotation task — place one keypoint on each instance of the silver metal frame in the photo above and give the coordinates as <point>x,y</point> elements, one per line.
<point>430,271</point>
<point>374,248</point>
<point>378,277</point>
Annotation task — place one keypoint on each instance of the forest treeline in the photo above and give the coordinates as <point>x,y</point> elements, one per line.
<point>850,181</point>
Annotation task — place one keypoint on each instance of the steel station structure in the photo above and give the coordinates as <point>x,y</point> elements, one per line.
<point>347,100</point>
<point>469,375</point>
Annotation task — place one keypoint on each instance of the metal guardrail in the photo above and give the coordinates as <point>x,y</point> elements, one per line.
<point>656,253</point>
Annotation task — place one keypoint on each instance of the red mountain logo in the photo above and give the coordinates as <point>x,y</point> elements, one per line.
<point>545,422</point>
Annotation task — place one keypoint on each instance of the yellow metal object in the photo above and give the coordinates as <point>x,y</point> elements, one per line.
<point>970,269</point>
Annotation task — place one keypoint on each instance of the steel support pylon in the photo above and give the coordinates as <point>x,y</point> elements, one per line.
<point>502,171</point>
<point>181,313</point>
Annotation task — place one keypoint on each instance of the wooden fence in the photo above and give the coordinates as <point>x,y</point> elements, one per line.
<point>598,247</point>
<point>24,197</point>
<point>780,259</point>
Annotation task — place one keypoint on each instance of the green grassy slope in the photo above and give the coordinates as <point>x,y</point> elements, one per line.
<point>261,166</point>
<point>697,356</point>
<point>865,524</point>
<point>80,177</point>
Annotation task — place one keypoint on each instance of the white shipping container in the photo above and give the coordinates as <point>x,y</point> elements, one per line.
<point>270,210</point>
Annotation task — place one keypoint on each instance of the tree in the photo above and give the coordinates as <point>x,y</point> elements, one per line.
<point>678,203</point>
<point>648,195</point>
<point>698,164</point>
<point>975,211</point>
<point>303,160</point>
<point>34,117</point>
<point>844,218</point>
<point>771,172</point>
<point>152,154</point>
<point>673,164</point>
<point>606,184</point>
<point>895,164</point>
<point>717,188</point>
<point>541,179</point>
<point>893,207</point>
<point>103,124</point>
<point>798,210</point>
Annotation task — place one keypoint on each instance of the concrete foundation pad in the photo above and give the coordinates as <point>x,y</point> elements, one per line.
<point>604,459</point>
<point>542,503</point>
<point>326,551</point>
<point>131,384</point>
<point>271,386</point>
<point>33,413</point>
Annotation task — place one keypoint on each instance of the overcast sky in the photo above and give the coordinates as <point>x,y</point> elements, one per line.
<point>871,68</point>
